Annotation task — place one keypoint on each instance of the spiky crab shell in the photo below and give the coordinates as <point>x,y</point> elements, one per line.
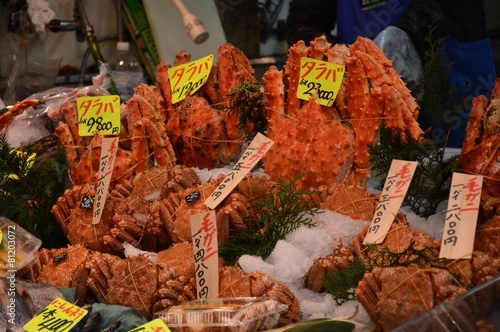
<point>322,158</point>
<point>311,139</point>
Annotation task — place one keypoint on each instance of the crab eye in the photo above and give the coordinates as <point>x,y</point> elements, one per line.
<point>192,197</point>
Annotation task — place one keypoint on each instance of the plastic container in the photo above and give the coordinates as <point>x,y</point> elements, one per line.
<point>478,307</point>
<point>17,247</point>
<point>126,70</point>
<point>223,315</point>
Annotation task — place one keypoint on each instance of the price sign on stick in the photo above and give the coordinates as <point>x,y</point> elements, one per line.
<point>461,216</point>
<point>396,185</point>
<point>106,164</point>
<point>59,315</point>
<point>321,79</point>
<point>255,151</point>
<point>98,114</point>
<point>206,258</point>
<point>189,77</point>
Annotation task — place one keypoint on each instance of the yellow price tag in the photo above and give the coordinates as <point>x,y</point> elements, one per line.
<point>321,79</point>
<point>156,325</point>
<point>189,77</point>
<point>59,315</point>
<point>98,113</point>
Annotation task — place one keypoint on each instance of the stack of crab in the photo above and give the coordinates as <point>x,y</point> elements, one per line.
<point>164,145</point>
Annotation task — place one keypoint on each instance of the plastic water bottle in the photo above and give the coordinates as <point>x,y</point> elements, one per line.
<point>126,71</point>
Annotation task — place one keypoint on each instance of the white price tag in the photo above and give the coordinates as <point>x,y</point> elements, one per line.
<point>396,185</point>
<point>106,164</point>
<point>206,254</point>
<point>255,151</point>
<point>461,216</point>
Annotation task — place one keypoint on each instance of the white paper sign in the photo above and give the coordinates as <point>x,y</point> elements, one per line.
<point>396,185</point>
<point>255,151</point>
<point>106,164</point>
<point>461,216</point>
<point>206,254</point>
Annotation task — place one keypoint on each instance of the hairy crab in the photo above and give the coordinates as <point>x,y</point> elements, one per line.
<point>130,213</point>
<point>350,200</point>
<point>395,295</point>
<point>234,282</point>
<point>232,214</point>
<point>331,144</point>
<point>339,259</point>
<point>63,268</point>
<point>134,281</point>
<point>149,287</point>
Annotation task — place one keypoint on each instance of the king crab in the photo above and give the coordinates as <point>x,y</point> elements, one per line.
<point>331,144</point>
<point>481,147</point>
<point>203,132</point>
<point>143,142</point>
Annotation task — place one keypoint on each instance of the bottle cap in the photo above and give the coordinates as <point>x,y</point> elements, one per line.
<point>122,46</point>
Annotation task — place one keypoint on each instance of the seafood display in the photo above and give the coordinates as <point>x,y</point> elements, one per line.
<point>157,185</point>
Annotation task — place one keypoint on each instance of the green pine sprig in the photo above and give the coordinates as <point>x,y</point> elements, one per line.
<point>246,101</point>
<point>438,93</point>
<point>29,187</point>
<point>384,257</point>
<point>281,213</point>
<point>342,283</point>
